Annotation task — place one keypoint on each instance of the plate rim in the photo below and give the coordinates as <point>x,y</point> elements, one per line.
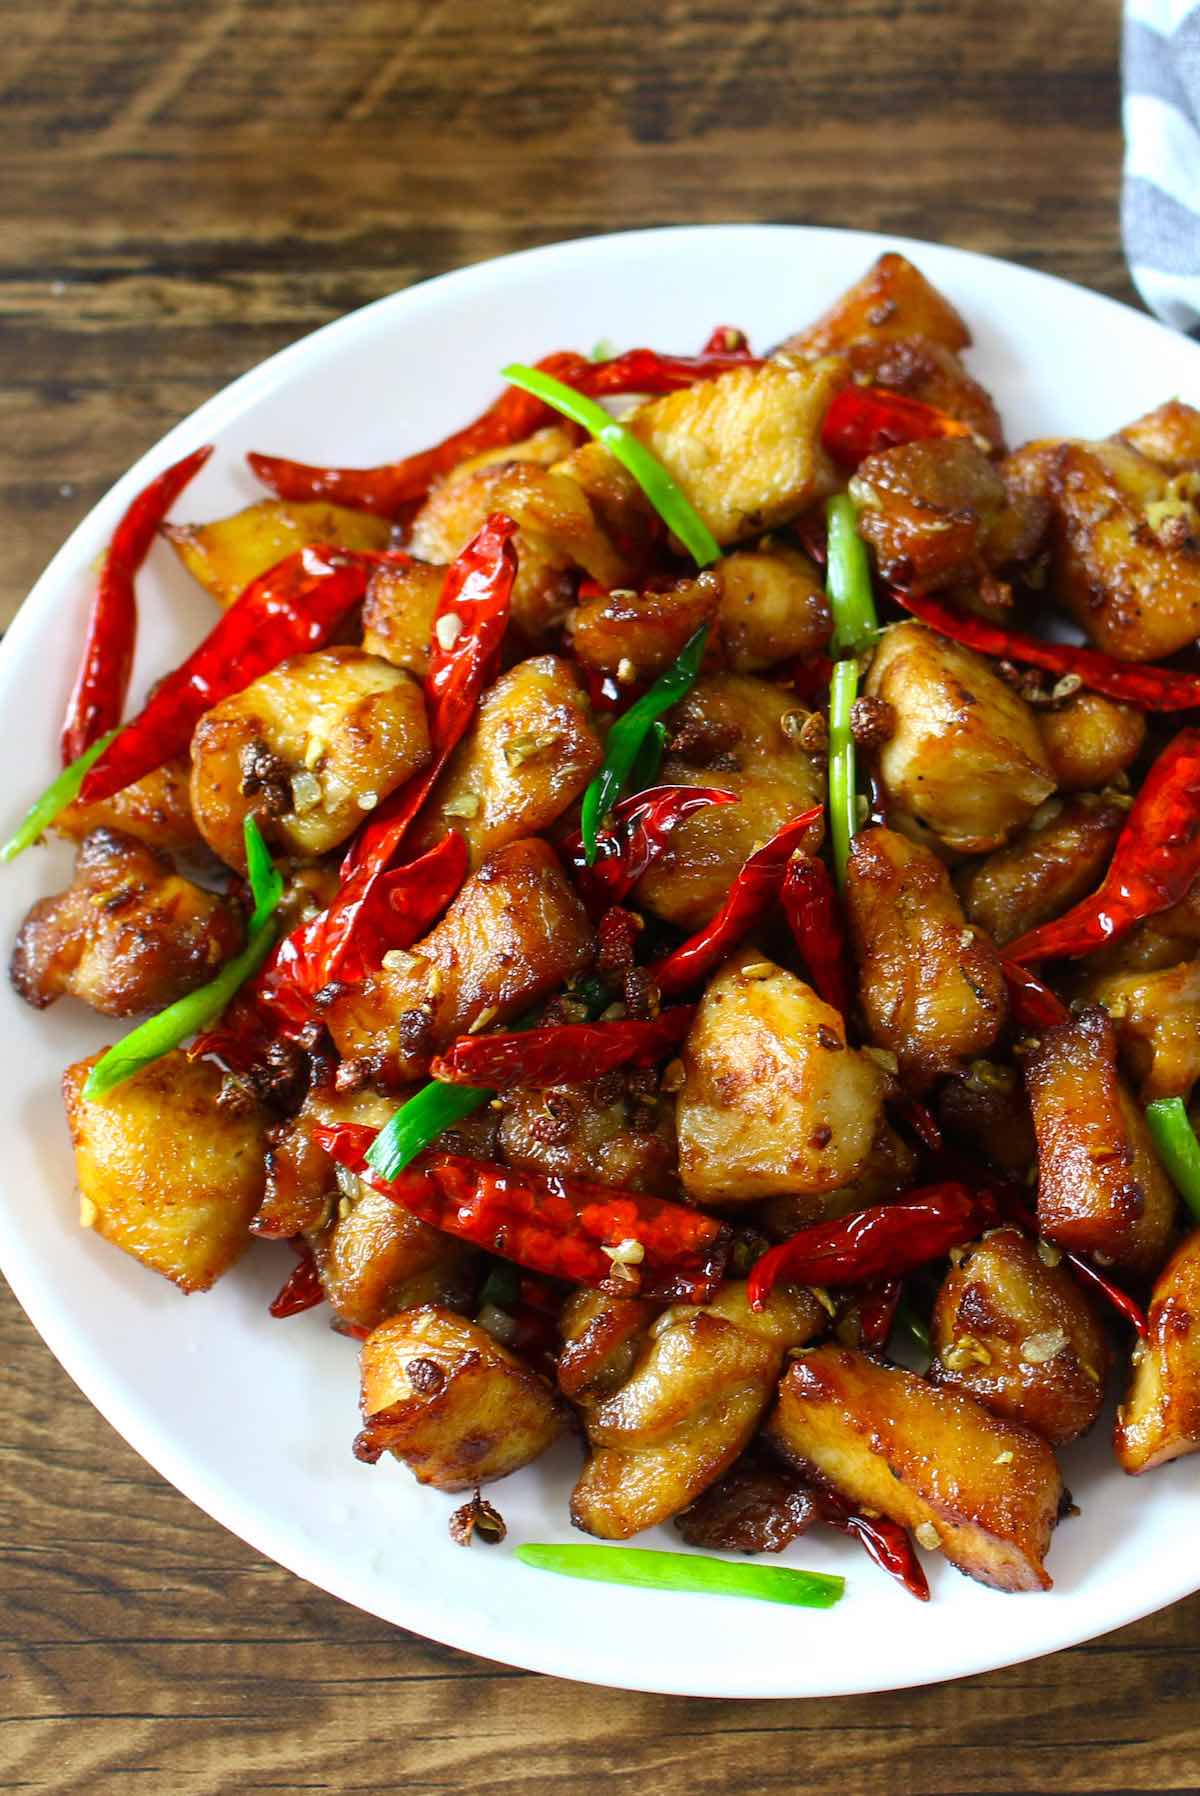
<point>119,1406</point>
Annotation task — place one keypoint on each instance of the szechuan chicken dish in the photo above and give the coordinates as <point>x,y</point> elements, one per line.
<point>685,913</point>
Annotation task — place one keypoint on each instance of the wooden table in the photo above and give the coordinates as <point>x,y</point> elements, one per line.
<point>188,187</point>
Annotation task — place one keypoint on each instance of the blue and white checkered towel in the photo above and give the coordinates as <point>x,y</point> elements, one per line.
<point>1160,205</point>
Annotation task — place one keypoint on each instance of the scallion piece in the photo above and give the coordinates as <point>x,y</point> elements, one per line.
<point>58,795</point>
<point>848,580</point>
<point>627,737</point>
<point>652,1570</point>
<point>908,1322</point>
<point>649,757</point>
<point>427,1114</point>
<point>199,1009</point>
<point>438,1106</point>
<point>1175,1139</point>
<point>843,791</point>
<point>675,510</point>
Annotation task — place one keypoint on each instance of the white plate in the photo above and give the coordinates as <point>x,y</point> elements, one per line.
<point>252,1418</point>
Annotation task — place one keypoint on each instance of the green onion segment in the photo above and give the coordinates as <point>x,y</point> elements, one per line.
<point>843,790</point>
<point>848,581</point>
<point>652,1570</point>
<point>58,795</point>
<point>855,629</point>
<point>199,1009</point>
<point>627,738</point>
<point>675,510</point>
<point>1175,1139</point>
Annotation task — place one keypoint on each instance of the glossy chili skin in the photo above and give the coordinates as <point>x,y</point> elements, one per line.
<point>863,420</point>
<point>876,1308</point>
<point>814,917</point>
<point>98,697</point>
<point>294,607</point>
<point>388,489</point>
<point>887,1543</point>
<point>635,837</point>
<point>553,1225</point>
<point>563,1052</point>
<point>1149,688</point>
<point>376,909</point>
<point>755,888</point>
<point>1155,861</point>
<point>302,1289</point>
<point>1032,1005</point>
<point>881,1242</point>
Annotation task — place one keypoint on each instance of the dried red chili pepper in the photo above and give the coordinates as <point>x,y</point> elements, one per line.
<point>920,1119</point>
<point>98,697</point>
<point>562,1052</point>
<point>1155,861</point>
<point>386,490</point>
<point>814,917</point>
<point>634,838</point>
<point>1031,1004</point>
<point>302,1289</point>
<point>557,1226</point>
<point>727,338</point>
<point>372,914</point>
<point>884,1241</point>
<point>876,1309</point>
<point>293,607</point>
<point>886,1542</point>
<point>754,890</point>
<point>369,912</point>
<point>863,420</point>
<point>1149,688</point>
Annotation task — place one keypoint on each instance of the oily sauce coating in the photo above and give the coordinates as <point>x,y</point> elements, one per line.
<point>615,1129</point>
<point>157,810</point>
<point>128,935</point>
<point>756,1507</point>
<point>936,513</point>
<point>1156,1016</point>
<point>1159,1419</point>
<point>1090,740</point>
<point>1060,858</point>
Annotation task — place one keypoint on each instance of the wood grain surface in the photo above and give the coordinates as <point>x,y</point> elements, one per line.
<point>183,189</point>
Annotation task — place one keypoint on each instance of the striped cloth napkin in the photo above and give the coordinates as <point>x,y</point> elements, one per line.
<point>1160,202</point>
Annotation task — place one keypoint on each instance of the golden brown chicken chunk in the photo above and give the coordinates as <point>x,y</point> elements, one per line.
<point>156,809</point>
<point>938,512</point>
<point>1160,1417</point>
<point>602,1337</point>
<point>773,1100</point>
<point>1090,740</point>
<point>987,1111</point>
<point>1169,435</point>
<point>932,374</point>
<point>514,934</point>
<point>226,554</point>
<point>965,758</point>
<point>1058,859</point>
<point>983,1490</point>
<point>893,299</point>
<point>757,1507</point>
<point>773,606</point>
<point>128,935</point>
<point>745,448</point>
<point>307,750</point>
<point>687,1410</point>
<point>398,614</point>
<point>635,635</point>
<point>375,1259</point>
<point>739,734</point>
<point>1126,560</point>
<point>1101,1190</point>
<point>529,753</point>
<point>1012,1327</point>
<point>302,1185</point>
<point>931,986</point>
<point>1157,1020</point>
<point>165,1172</point>
<point>890,1169</point>
<point>558,533</point>
<point>613,1130</point>
<point>457,1407</point>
